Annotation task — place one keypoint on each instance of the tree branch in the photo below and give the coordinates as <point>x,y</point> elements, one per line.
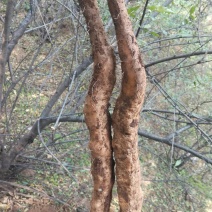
<point>177,57</point>
<point>85,63</point>
<point>20,31</point>
<point>167,140</point>
<point>5,42</point>
<point>142,18</point>
<point>170,143</point>
<point>29,137</point>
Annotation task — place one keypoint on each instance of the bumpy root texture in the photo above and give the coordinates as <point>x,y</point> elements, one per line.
<point>96,106</point>
<point>125,118</point>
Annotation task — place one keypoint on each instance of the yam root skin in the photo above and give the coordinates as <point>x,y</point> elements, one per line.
<point>126,113</point>
<point>96,112</point>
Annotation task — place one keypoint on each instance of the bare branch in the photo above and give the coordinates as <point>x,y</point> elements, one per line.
<point>179,107</point>
<point>5,42</point>
<point>29,137</point>
<point>85,63</point>
<point>177,57</point>
<point>170,143</point>
<point>20,31</point>
<point>167,2</point>
<point>142,18</point>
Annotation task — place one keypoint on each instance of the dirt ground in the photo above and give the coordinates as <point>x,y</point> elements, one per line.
<point>34,205</point>
<point>15,203</point>
<point>19,198</point>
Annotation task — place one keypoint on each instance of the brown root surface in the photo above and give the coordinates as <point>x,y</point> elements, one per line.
<point>96,112</point>
<point>126,113</point>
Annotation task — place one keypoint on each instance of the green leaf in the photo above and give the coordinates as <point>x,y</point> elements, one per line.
<point>155,34</point>
<point>178,162</point>
<point>145,30</point>
<point>191,12</point>
<point>132,10</point>
<point>186,21</point>
<point>160,9</point>
<point>27,6</point>
<point>57,136</point>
